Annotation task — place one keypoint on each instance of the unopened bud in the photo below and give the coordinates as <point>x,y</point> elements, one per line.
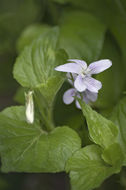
<point>29,107</point>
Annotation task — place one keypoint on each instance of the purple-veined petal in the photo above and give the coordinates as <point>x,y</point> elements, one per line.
<point>70,68</point>
<point>80,62</point>
<point>99,66</point>
<point>77,104</point>
<point>79,84</point>
<point>92,84</point>
<point>68,96</point>
<point>91,96</point>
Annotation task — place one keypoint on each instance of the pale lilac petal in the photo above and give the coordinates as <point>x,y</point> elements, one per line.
<point>68,96</point>
<point>70,78</point>
<point>73,75</point>
<point>85,98</point>
<point>80,62</point>
<point>77,104</point>
<point>91,96</point>
<point>92,84</point>
<point>70,68</point>
<point>99,66</point>
<point>80,84</point>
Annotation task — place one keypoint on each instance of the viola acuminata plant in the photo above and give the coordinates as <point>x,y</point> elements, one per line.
<point>43,135</point>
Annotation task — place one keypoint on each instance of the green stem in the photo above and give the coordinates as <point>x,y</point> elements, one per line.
<point>47,118</point>
<point>72,77</point>
<point>45,111</point>
<point>81,96</point>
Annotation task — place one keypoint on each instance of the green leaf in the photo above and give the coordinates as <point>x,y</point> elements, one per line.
<point>29,34</point>
<point>88,38</point>
<point>27,148</point>
<point>114,155</point>
<point>87,169</point>
<point>118,116</point>
<point>104,133</point>
<point>81,35</point>
<point>34,68</point>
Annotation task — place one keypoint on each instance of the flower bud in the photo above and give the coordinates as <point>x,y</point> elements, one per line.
<point>29,107</point>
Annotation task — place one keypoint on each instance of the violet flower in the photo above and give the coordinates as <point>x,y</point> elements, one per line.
<point>84,80</point>
<point>87,96</point>
<point>69,96</point>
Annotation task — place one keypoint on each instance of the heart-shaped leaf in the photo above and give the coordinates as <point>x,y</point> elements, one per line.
<point>27,148</point>
<point>34,68</point>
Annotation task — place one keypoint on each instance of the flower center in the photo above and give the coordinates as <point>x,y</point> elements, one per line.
<point>83,73</point>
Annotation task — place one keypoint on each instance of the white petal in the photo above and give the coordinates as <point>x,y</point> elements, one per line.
<point>77,105</point>
<point>68,96</point>
<point>80,62</point>
<point>70,68</point>
<point>91,96</point>
<point>99,66</point>
<point>92,84</point>
<point>79,84</point>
